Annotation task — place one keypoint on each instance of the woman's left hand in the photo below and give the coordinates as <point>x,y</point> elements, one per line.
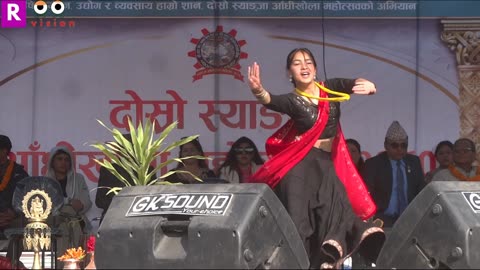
<point>364,87</point>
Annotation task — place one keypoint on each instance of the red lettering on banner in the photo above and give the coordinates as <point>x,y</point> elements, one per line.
<point>277,118</point>
<point>32,160</point>
<point>90,169</point>
<point>168,111</point>
<point>235,115</point>
<point>35,162</point>
<point>121,121</point>
<point>125,105</point>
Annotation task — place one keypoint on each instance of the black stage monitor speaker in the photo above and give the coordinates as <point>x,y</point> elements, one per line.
<point>225,226</point>
<point>439,229</point>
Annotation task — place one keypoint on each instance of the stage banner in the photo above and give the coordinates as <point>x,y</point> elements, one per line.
<point>59,75</point>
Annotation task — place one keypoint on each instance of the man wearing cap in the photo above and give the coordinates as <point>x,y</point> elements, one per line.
<point>10,174</point>
<point>393,177</point>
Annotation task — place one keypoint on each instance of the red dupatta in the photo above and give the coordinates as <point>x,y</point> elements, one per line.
<point>286,148</point>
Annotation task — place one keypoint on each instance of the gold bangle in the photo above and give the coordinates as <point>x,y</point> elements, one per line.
<point>262,94</point>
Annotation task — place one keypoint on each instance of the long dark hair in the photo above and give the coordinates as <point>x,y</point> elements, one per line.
<point>292,54</point>
<point>355,143</point>
<point>231,159</point>
<point>201,162</point>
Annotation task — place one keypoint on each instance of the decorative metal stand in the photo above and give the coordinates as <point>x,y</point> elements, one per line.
<point>37,206</point>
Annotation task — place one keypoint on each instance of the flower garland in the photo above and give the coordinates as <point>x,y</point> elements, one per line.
<point>460,176</point>
<point>7,176</point>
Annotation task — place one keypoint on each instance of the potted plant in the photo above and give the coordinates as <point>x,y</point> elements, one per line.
<point>136,156</point>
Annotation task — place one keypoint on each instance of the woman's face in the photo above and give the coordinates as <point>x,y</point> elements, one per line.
<point>61,163</point>
<point>444,156</point>
<point>189,149</point>
<point>302,69</point>
<point>354,153</point>
<point>244,153</point>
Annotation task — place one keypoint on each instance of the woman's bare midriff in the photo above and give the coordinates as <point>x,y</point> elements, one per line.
<point>324,144</point>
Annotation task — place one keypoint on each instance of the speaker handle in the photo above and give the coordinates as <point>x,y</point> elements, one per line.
<point>174,226</point>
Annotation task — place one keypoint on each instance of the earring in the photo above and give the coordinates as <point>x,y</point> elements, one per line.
<point>291,79</point>
<point>314,77</point>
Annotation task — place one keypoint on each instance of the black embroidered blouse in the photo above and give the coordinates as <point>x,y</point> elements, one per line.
<point>305,113</point>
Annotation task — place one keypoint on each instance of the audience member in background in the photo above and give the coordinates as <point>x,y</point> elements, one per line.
<point>356,153</point>
<point>444,157</point>
<point>393,177</point>
<point>107,181</point>
<point>462,168</point>
<point>197,167</point>
<point>243,160</point>
<point>10,174</point>
<point>71,221</point>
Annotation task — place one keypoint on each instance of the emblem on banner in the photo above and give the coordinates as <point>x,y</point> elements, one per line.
<point>218,53</point>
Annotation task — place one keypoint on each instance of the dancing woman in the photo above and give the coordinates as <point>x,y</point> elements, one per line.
<point>310,167</point>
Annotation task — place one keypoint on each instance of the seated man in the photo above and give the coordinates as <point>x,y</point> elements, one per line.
<point>10,174</point>
<point>393,177</point>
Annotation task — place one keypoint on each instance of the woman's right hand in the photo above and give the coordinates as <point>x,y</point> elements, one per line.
<point>254,81</point>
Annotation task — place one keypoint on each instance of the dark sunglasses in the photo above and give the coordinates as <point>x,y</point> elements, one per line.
<point>397,145</point>
<point>244,150</point>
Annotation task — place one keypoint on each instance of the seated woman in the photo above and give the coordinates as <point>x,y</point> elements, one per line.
<point>444,157</point>
<point>197,167</point>
<point>242,161</point>
<point>356,153</point>
<point>71,222</point>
